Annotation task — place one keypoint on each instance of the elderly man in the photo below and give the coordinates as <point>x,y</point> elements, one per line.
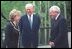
<point>29,26</point>
<point>59,32</point>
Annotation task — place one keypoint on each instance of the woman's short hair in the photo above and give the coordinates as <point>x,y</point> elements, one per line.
<point>13,14</point>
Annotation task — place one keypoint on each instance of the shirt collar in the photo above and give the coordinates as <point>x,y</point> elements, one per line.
<point>31,15</point>
<point>57,17</point>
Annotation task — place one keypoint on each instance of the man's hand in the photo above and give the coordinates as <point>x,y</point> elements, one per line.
<point>51,44</point>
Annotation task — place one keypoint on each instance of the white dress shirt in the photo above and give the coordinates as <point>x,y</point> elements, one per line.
<point>57,17</point>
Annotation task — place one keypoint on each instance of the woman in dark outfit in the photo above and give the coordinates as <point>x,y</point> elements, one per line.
<point>12,32</point>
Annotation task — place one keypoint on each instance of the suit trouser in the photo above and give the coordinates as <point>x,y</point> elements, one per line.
<point>30,43</point>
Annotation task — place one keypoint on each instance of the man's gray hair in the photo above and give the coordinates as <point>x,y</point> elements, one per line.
<point>54,8</point>
<point>28,5</point>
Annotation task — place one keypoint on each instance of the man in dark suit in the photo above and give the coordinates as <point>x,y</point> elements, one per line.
<point>59,32</point>
<point>29,26</point>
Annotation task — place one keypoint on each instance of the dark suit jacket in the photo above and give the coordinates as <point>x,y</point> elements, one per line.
<point>59,32</point>
<point>27,33</point>
<point>11,36</point>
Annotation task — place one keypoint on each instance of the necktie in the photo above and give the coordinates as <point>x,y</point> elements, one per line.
<point>30,22</point>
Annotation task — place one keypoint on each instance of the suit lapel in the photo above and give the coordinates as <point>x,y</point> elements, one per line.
<point>56,22</point>
<point>33,21</point>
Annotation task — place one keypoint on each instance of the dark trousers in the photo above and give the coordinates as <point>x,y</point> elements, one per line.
<point>30,43</point>
<point>12,44</point>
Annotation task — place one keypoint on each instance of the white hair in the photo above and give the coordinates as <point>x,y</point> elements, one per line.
<point>28,5</point>
<point>54,8</point>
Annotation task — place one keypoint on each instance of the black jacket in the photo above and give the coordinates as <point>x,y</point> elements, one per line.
<point>11,36</point>
<point>59,32</point>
